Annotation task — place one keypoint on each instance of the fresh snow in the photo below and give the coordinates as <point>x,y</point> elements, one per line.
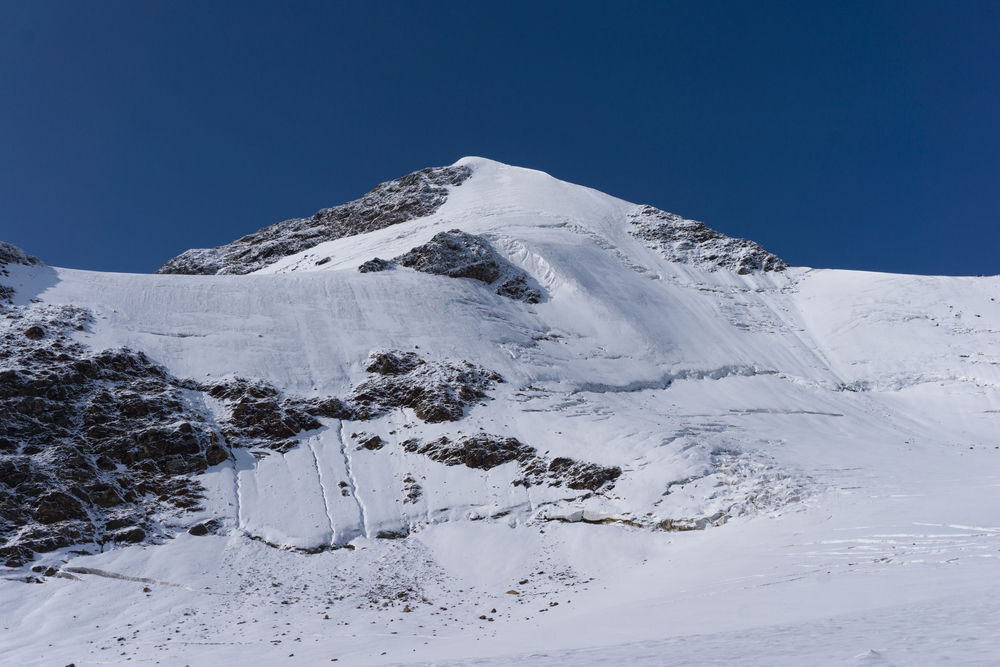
<point>810,462</point>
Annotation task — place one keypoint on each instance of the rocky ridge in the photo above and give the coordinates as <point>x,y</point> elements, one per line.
<point>413,196</point>
<point>457,254</point>
<point>485,451</point>
<point>691,242</point>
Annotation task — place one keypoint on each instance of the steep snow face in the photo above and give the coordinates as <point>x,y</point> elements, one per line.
<point>689,458</point>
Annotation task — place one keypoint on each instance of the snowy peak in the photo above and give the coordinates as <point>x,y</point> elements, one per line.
<point>493,197</point>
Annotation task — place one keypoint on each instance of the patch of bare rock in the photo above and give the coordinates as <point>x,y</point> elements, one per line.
<point>484,451</point>
<point>92,444</point>
<point>458,254</point>
<point>413,196</point>
<point>692,242</point>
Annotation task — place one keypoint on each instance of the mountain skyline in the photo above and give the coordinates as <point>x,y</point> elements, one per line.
<point>484,416</point>
<point>855,136</point>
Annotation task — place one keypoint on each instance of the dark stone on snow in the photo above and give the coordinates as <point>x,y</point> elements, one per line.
<point>204,528</point>
<point>458,254</point>
<point>16,555</point>
<point>56,506</point>
<point>392,534</point>
<point>130,535</point>
<point>375,265</point>
<point>11,254</point>
<point>484,451</point>
<point>373,443</point>
<point>215,454</point>
<point>392,363</point>
<point>35,333</point>
<point>435,391</point>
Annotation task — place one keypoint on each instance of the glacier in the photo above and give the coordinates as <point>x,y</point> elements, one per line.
<point>807,460</point>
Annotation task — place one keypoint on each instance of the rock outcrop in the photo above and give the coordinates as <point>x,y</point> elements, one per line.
<point>457,254</point>
<point>691,242</point>
<point>484,451</point>
<point>413,196</point>
<point>435,391</point>
<point>92,444</point>
<point>11,254</point>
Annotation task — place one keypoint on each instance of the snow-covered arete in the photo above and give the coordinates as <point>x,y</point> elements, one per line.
<point>786,465</point>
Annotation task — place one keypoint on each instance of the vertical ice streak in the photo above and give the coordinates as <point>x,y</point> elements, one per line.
<point>322,488</point>
<point>353,481</point>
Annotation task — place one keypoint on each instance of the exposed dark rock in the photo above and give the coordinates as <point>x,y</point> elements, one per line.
<point>484,451</point>
<point>11,254</point>
<point>204,528</point>
<point>16,555</point>
<point>91,443</point>
<point>392,534</point>
<point>474,451</point>
<point>411,489</point>
<point>413,196</point>
<point>458,254</point>
<point>691,242</point>
<point>129,535</point>
<point>392,363</point>
<point>333,408</point>
<point>260,416</point>
<point>375,265</point>
<point>577,475</point>
<point>436,391</point>
<point>215,454</point>
<point>372,443</point>
<point>35,333</point>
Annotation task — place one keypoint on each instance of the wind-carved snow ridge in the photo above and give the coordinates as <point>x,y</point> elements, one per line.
<point>457,254</point>
<point>413,196</point>
<point>691,242</point>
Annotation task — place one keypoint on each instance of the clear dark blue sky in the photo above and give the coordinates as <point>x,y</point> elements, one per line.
<point>847,135</point>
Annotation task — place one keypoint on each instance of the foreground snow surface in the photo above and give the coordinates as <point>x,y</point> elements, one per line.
<point>833,435</point>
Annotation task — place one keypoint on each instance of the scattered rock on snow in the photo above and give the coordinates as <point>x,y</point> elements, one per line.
<point>436,391</point>
<point>691,242</point>
<point>413,196</point>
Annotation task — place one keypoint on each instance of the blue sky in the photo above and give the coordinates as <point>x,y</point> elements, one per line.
<point>851,135</point>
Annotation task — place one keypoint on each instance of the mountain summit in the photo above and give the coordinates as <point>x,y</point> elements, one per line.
<point>484,416</point>
<point>423,193</point>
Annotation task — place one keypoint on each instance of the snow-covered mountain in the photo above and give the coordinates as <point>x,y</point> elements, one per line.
<point>481,413</point>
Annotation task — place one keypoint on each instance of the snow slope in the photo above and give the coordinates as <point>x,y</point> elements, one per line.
<point>809,460</point>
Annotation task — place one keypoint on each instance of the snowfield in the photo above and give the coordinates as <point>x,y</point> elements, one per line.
<point>808,461</point>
